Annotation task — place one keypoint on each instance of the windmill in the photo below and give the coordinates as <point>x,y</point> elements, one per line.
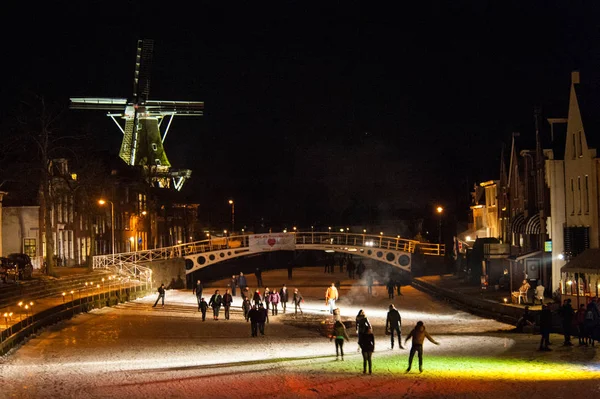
<point>143,140</point>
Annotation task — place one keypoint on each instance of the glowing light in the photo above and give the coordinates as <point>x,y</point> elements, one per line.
<point>505,300</point>
<point>468,238</point>
<point>341,230</point>
<point>561,256</point>
<point>439,209</point>
<point>101,202</point>
<point>569,282</point>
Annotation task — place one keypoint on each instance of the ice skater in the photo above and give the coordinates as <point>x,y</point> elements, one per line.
<point>331,295</point>
<point>393,324</point>
<point>367,345</point>
<point>215,302</point>
<point>297,298</point>
<point>203,308</point>
<point>161,295</point>
<point>418,335</point>
<point>227,300</point>
<point>339,334</point>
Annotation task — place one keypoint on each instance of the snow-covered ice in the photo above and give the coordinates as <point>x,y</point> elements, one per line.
<point>134,350</point>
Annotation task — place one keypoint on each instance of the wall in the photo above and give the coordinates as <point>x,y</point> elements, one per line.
<point>167,271</point>
<point>556,182</point>
<point>19,223</point>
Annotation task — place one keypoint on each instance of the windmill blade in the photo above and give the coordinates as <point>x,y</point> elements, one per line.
<point>190,108</point>
<point>106,104</point>
<point>143,65</point>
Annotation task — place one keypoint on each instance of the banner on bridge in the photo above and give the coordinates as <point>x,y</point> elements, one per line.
<point>272,242</point>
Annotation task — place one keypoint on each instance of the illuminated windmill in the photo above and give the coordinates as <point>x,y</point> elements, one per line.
<point>142,137</point>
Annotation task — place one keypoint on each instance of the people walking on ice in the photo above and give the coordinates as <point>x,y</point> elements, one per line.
<point>366,343</point>
<point>297,298</point>
<point>340,334</point>
<point>263,316</point>
<point>256,298</point>
<point>215,302</point>
<point>393,324</point>
<point>267,298</point>
<point>233,283</point>
<point>242,283</point>
<point>253,316</point>
<point>331,295</point>
<point>227,300</point>
<point>274,298</point>
<point>246,306</point>
<point>161,295</point>
<point>284,297</point>
<point>203,308</point>
<point>418,335</point>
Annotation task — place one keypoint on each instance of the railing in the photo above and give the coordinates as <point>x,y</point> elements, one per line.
<point>242,241</point>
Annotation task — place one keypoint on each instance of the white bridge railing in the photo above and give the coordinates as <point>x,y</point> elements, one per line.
<point>242,241</point>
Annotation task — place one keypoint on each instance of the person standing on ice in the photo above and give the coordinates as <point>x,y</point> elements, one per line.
<point>339,334</point>
<point>203,308</point>
<point>283,296</point>
<point>242,283</point>
<point>198,292</point>
<point>297,301</point>
<point>227,300</point>
<point>267,298</point>
<point>233,283</point>
<point>253,316</point>
<point>362,324</point>
<point>367,346</point>
<point>331,295</point>
<point>161,294</point>
<point>246,306</point>
<point>215,302</point>
<point>257,298</point>
<point>418,335</point>
<point>263,315</point>
<point>274,298</point>
<point>393,324</point>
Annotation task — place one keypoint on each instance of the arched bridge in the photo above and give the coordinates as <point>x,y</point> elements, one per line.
<point>395,251</point>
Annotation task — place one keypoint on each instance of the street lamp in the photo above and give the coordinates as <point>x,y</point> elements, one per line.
<point>439,210</point>
<point>232,215</point>
<point>112,223</point>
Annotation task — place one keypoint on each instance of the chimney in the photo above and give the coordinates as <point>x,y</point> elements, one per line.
<point>575,77</point>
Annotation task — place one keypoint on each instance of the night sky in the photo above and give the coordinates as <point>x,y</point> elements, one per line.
<point>317,112</point>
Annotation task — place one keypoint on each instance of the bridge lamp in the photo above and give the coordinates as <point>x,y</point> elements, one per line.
<point>381,233</point>
<point>232,215</point>
<point>364,231</point>
<point>329,229</point>
<point>285,230</point>
<point>439,210</point>
<point>294,228</point>
<point>224,232</point>
<point>341,230</point>
<point>347,229</point>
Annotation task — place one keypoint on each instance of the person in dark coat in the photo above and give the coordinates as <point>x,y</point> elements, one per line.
<point>197,290</point>
<point>369,282</point>
<point>233,283</point>
<point>253,316</point>
<point>227,300</point>
<point>567,313</point>
<point>290,270</point>
<point>215,302</point>
<point>242,283</point>
<point>161,295</point>
<point>297,301</point>
<point>418,335</point>
<point>339,334</point>
<point>367,346</point>
<point>263,314</point>
<point>284,297</point>
<point>360,269</point>
<point>246,306</point>
<point>258,274</point>
<point>203,308</point>
<point>362,323</point>
<point>256,298</point>
<point>390,288</point>
<point>393,324</point>
<point>545,327</point>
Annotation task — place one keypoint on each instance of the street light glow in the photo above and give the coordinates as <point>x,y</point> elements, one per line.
<point>439,209</point>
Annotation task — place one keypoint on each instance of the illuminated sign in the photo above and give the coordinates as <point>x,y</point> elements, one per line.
<point>548,246</point>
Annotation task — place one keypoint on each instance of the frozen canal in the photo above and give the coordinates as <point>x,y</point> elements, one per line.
<point>136,351</point>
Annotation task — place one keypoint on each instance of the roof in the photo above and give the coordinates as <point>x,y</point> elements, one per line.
<point>586,262</point>
<point>588,101</point>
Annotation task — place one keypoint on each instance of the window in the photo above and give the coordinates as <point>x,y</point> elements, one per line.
<point>154,147</point>
<point>574,147</point>
<point>30,247</point>
<point>580,146</point>
<point>579,189</point>
<point>157,161</point>
<point>587,195</point>
<point>572,197</point>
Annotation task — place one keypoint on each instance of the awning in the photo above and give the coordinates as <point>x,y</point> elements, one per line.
<point>517,224</point>
<point>515,258</point>
<point>586,262</point>
<point>533,225</point>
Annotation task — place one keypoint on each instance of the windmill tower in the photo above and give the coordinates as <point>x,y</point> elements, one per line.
<point>143,139</point>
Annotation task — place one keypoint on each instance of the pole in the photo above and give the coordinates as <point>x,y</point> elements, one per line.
<point>232,217</point>
<point>112,219</point>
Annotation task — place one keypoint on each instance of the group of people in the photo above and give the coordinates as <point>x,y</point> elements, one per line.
<point>366,339</point>
<point>352,269</point>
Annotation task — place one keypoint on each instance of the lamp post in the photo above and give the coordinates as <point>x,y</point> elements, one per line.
<point>112,223</point>
<point>439,210</point>
<point>232,215</point>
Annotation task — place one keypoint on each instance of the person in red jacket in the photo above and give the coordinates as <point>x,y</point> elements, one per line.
<point>418,335</point>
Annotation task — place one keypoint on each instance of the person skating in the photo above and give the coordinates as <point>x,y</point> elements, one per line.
<point>393,324</point>
<point>545,328</point>
<point>215,302</point>
<point>331,295</point>
<point>203,308</point>
<point>253,316</point>
<point>340,334</point>
<point>256,298</point>
<point>283,296</point>
<point>242,283</point>
<point>227,300</point>
<point>161,295</point>
<point>367,346</point>
<point>297,298</point>
<point>418,335</point>
<point>246,306</point>
<point>274,299</point>
<point>197,290</point>
<point>263,316</point>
